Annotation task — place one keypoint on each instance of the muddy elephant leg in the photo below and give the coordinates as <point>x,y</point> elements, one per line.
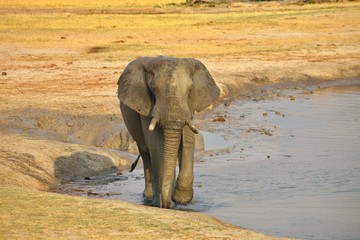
<point>184,187</point>
<point>154,142</point>
<point>148,191</point>
<point>132,121</point>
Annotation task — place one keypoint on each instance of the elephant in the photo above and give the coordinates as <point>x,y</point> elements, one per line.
<point>158,99</point>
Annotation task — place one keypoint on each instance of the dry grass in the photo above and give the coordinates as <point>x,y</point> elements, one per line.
<point>277,32</point>
<point>38,215</point>
<point>87,4</point>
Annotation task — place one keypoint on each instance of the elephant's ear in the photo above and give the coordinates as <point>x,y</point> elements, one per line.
<point>204,90</point>
<point>132,88</point>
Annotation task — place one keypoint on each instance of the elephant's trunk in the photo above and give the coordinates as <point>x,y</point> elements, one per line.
<point>172,138</point>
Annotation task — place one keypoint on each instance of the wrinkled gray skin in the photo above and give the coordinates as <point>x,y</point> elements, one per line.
<point>159,96</point>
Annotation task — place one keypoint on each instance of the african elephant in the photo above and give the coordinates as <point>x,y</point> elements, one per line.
<point>158,98</point>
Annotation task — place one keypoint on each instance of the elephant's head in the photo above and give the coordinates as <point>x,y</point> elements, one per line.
<point>168,90</point>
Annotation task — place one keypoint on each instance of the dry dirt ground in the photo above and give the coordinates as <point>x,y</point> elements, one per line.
<point>59,114</point>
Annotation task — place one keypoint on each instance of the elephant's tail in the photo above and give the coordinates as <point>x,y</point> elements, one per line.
<point>133,166</point>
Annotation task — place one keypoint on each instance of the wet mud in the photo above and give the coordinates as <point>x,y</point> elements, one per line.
<point>284,164</point>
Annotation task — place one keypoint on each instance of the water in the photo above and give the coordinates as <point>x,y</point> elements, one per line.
<point>298,174</point>
<point>213,141</point>
<point>286,168</point>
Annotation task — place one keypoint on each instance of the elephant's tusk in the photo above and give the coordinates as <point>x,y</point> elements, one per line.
<point>192,127</point>
<point>152,124</point>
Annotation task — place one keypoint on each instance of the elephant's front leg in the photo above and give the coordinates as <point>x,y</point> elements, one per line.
<point>184,187</point>
<point>154,165</point>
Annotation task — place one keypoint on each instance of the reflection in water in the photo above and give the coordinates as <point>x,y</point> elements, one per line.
<point>293,168</point>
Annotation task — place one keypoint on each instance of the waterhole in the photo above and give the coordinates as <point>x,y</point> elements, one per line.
<point>288,167</point>
<point>214,141</point>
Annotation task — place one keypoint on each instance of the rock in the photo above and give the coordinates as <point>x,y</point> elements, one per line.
<point>219,119</point>
<point>82,164</point>
<point>90,193</point>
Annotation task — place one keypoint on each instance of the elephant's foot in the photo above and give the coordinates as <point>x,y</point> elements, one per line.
<point>148,192</point>
<point>168,204</point>
<point>183,195</point>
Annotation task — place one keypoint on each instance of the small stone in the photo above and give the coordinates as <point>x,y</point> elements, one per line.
<point>219,119</point>
<point>90,193</point>
<point>265,114</point>
<point>292,98</point>
<point>3,73</point>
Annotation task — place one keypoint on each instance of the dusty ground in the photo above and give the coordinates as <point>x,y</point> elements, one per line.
<point>59,113</point>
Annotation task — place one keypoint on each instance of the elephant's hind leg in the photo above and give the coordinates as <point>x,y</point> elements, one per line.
<point>148,191</point>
